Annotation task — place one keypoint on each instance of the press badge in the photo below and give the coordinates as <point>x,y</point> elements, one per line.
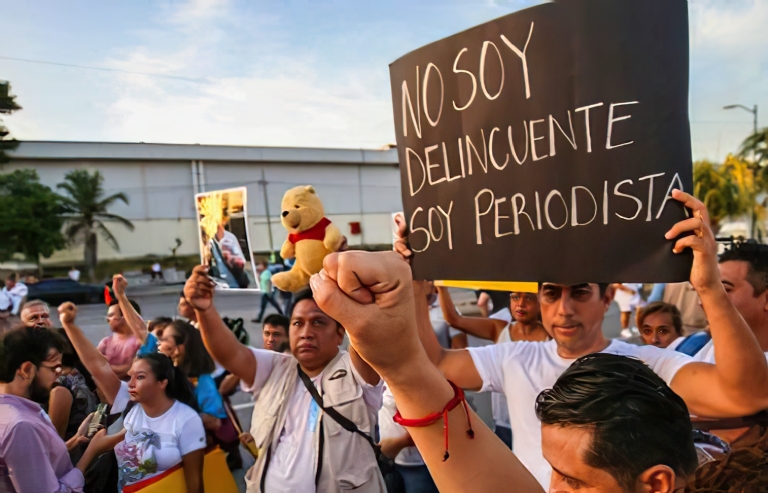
<point>314,415</point>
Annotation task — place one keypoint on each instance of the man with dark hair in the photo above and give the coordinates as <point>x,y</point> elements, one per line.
<point>744,273</point>
<point>660,324</point>
<point>609,423</point>
<point>275,331</point>
<point>33,458</point>
<point>36,314</point>
<point>612,414</point>
<point>301,447</point>
<point>573,315</point>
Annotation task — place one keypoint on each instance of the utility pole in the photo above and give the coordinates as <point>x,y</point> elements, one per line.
<point>752,110</point>
<point>263,183</point>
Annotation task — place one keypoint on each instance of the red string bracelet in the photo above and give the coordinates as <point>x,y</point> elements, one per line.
<point>430,419</point>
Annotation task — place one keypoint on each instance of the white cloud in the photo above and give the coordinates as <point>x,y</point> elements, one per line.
<point>279,97</point>
<point>729,64</point>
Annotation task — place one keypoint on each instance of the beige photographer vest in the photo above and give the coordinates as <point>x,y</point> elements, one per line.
<point>345,461</point>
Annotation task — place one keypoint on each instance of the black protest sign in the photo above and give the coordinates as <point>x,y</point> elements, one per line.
<point>543,146</point>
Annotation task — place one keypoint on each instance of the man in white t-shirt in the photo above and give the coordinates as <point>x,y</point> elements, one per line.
<point>15,291</point>
<point>744,272</point>
<point>573,315</point>
<point>301,446</point>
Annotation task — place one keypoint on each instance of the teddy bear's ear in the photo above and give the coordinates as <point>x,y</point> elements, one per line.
<point>309,188</point>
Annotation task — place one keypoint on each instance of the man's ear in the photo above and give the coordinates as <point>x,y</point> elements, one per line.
<point>765,300</point>
<point>657,479</point>
<point>610,291</point>
<point>27,371</point>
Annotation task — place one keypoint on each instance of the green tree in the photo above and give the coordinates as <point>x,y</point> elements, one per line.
<point>756,147</point>
<point>86,211</point>
<point>7,106</point>
<point>730,190</point>
<point>29,217</point>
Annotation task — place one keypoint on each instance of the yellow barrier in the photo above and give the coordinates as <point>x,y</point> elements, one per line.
<point>521,287</point>
<point>216,478</point>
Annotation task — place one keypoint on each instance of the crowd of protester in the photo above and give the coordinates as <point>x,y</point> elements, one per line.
<point>676,405</point>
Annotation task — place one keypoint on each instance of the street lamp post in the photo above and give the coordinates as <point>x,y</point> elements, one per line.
<point>752,110</point>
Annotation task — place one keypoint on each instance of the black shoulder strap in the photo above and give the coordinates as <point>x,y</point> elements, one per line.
<point>344,422</point>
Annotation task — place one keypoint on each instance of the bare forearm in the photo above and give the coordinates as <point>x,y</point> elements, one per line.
<point>447,306</point>
<point>741,364</point>
<point>134,320</point>
<point>392,446</point>
<point>224,346</point>
<point>484,328</point>
<point>217,337</point>
<point>482,464</point>
<point>121,370</point>
<point>363,368</point>
<point>95,362</point>
<point>210,422</point>
<point>85,460</point>
<point>426,332</point>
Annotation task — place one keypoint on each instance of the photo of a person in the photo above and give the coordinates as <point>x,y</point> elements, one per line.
<point>224,241</point>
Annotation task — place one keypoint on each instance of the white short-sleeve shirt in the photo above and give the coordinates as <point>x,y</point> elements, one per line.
<point>522,370</point>
<point>293,464</point>
<point>705,355</point>
<point>154,445</point>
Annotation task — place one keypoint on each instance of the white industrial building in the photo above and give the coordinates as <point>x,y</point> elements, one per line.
<point>356,186</point>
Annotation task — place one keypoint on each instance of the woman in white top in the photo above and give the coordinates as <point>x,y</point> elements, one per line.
<point>164,431</point>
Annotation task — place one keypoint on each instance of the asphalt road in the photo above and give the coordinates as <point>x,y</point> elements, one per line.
<point>162,301</point>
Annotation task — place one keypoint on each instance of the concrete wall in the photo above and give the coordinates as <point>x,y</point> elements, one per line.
<point>161,204</point>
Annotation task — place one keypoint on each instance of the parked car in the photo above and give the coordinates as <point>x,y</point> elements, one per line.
<point>57,291</point>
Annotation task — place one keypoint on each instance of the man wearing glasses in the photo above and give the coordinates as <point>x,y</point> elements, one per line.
<point>32,455</point>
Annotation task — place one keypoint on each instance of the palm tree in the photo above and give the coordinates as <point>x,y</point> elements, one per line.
<point>85,212</point>
<point>756,147</point>
<point>714,188</point>
<point>8,105</point>
<point>731,190</point>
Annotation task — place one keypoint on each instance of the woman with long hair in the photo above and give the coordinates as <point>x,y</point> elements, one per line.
<point>163,428</point>
<point>182,343</point>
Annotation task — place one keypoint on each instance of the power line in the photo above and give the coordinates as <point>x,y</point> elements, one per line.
<point>104,69</point>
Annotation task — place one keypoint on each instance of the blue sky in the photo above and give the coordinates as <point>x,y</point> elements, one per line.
<point>298,72</point>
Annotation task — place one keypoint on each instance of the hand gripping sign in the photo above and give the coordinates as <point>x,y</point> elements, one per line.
<point>544,145</point>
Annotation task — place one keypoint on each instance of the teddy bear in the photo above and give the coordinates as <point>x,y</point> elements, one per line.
<point>311,236</point>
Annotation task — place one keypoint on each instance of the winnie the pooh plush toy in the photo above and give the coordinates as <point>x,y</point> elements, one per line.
<point>311,237</point>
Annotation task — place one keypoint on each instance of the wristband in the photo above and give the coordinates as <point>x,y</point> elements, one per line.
<point>430,419</point>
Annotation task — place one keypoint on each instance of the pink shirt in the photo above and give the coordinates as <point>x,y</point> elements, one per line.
<point>33,458</point>
<point>118,350</point>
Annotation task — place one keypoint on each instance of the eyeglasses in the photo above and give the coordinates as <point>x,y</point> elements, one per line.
<point>55,369</point>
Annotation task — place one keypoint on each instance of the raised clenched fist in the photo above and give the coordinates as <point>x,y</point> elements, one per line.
<point>371,295</point>
<point>119,284</point>
<point>67,312</point>
<point>198,290</point>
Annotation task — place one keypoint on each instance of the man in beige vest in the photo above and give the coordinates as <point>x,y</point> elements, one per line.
<point>301,447</point>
